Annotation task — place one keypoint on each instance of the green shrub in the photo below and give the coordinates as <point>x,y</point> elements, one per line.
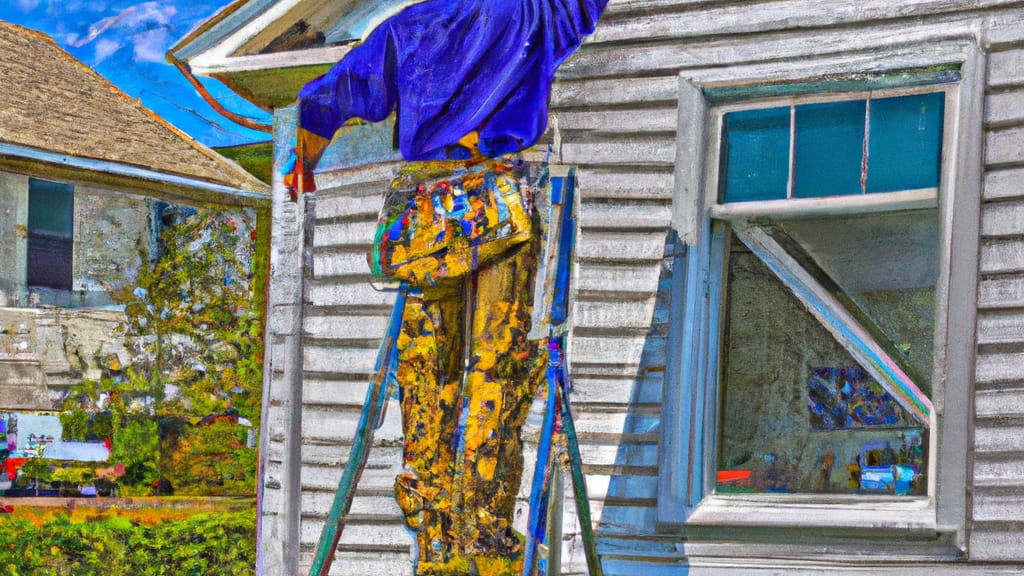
<point>206,544</point>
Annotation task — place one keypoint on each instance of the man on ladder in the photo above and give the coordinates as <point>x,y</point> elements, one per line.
<point>469,82</point>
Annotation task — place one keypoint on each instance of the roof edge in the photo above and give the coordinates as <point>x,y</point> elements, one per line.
<point>238,195</point>
<point>230,168</point>
<point>219,27</point>
<point>292,59</point>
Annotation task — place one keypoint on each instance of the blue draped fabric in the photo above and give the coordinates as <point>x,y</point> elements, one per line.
<point>451,67</point>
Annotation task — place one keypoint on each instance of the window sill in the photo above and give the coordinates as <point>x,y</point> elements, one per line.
<point>845,529</point>
<point>905,514</point>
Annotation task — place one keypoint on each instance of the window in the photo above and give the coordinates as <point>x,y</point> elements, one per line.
<point>826,341</point>
<point>820,371</point>
<point>50,234</point>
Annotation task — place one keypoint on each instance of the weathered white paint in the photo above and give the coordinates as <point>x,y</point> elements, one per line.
<point>1000,292</point>
<point>996,403</point>
<point>1000,184</point>
<point>1005,146</point>
<point>610,214</point>
<point>1003,108</point>
<point>615,105</point>
<point>1002,256</point>
<point>1007,68</point>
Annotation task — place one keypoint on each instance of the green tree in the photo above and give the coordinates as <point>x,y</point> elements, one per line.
<point>194,326</point>
<point>35,471</point>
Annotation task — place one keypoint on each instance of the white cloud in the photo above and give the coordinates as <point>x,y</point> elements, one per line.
<point>105,48</point>
<point>27,5</point>
<point>147,26</point>
<point>151,45</point>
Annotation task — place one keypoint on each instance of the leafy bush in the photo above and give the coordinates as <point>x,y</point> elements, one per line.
<point>194,328</point>
<point>215,544</point>
<point>211,460</point>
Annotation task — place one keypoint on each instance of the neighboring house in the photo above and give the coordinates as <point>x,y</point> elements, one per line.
<point>798,341</point>
<point>88,177</point>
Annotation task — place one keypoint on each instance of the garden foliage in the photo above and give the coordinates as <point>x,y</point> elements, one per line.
<point>194,327</point>
<point>214,544</point>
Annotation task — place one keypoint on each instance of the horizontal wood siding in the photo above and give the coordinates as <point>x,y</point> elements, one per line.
<point>614,109</point>
<point>998,510</point>
<point>343,325</point>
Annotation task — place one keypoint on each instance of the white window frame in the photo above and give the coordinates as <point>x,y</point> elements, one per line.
<point>741,525</point>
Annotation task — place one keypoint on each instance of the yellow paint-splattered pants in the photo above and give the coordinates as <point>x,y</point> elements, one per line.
<point>463,455</point>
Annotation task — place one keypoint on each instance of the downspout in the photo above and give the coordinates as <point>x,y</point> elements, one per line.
<point>236,118</point>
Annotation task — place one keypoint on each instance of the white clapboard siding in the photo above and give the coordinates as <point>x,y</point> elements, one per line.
<point>342,329</point>
<point>614,111</point>
<point>1003,108</point>
<point>1007,68</point>
<point>1004,146</point>
<point>621,74</point>
<point>1007,183</point>
<point>999,452</point>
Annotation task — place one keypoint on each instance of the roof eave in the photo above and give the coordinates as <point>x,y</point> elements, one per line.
<point>211,66</point>
<point>104,172</point>
<point>266,80</point>
<point>219,27</point>
<point>271,80</point>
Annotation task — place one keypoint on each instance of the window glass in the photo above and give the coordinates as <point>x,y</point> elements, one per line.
<point>829,149</point>
<point>755,155</point>
<point>884,268</point>
<point>838,148</point>
<point>906,142</point>
<point>798,413</point>
<point>50,208</point>
<point>50,252</point>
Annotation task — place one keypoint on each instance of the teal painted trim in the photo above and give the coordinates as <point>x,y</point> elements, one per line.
<point>118,169</point>
<point>692,368</point>
<point>674,464</point>
<point>706,388</point>
<point>221,30</point>
<point>910,78</point>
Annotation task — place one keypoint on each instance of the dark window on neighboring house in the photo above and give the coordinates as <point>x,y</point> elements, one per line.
<point>50,234</point>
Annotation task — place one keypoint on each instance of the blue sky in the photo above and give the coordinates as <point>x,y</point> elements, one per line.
<point>125,41</point>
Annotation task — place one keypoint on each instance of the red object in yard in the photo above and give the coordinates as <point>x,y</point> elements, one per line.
<point>738,477</point>
<point>12,465</point>
<point>6,509</point>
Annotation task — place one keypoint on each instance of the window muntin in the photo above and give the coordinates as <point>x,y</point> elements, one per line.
<point>797,412</point>
<point>846,147</point>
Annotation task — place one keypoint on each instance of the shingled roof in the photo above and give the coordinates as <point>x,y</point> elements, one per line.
<point>52,102</point>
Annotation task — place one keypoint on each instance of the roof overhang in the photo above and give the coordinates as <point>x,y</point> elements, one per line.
<point>170,187</point>
<point>266,50</point>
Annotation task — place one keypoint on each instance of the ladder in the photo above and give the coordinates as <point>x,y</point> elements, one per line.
<point>555,277</point>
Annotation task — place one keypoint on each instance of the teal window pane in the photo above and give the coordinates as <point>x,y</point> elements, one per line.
<point>755,155</point>
<point>829,149</point>
<point>905,146</point>
<point>50,208</point>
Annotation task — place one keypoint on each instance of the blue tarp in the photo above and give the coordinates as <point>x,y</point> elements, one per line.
<point>451,67</point>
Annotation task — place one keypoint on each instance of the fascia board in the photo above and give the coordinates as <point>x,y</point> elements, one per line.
<point>209,33</point>
<point>224,193</point>
<point>228,65</point>
<point>242,26</point>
